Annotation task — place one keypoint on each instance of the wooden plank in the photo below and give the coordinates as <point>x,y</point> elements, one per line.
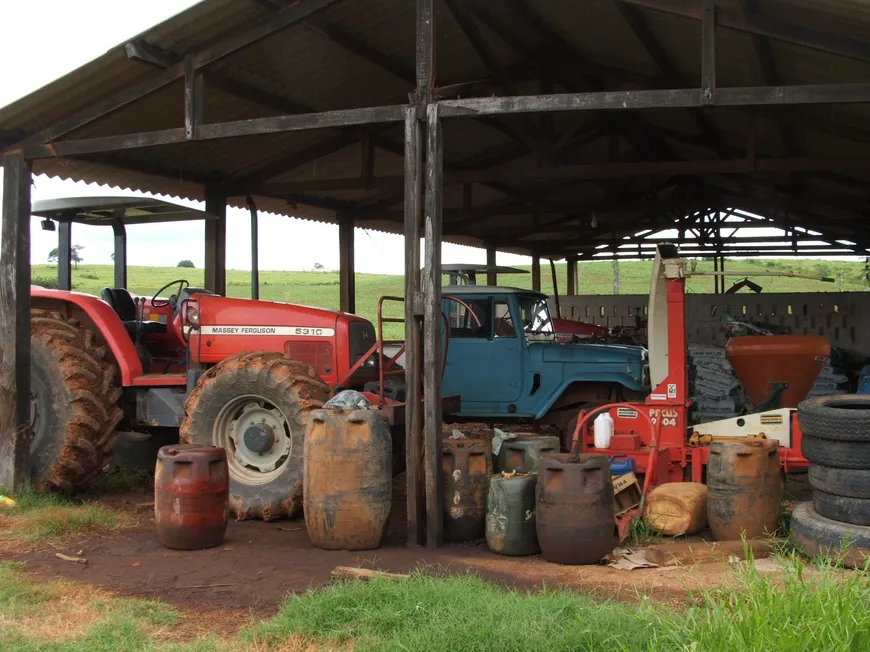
<point>432,327</point>
<point>15,432</point>
<point>193,99</point>
<point>365,574</point>
<point>346,267</point>
<point>816,37</point>
<point>267,27</point>
<point>218,130</point>
<point>686,553</point>
<point>216,240</point>
<point>659,99</point>
<point>708,52</point>
<point>413,341</point>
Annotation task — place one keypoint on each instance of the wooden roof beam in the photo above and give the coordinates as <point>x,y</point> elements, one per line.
<point>760,24</point>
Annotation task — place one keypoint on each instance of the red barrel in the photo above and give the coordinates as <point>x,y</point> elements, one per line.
<point>191,496</point>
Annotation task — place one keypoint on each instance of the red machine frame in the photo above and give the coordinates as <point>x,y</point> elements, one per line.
<point>655,433</point>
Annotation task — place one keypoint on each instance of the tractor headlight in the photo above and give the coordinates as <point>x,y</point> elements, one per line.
<point>192,316</point>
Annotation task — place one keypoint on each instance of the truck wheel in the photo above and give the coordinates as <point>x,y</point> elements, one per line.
<point>816,535</point>
<point>74,401</point>
<point>838,418</point>
<point>839,508</point>
<point>256,406</point>
<point>854,483</point>
<point>839,454</point>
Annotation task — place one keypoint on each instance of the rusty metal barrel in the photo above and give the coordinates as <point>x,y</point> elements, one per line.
<point>575,511</point>
<point>522,453</point>
<point>466,466</point>
<point>744,489</point>
<point>191,496</point>
<point>347,485</point>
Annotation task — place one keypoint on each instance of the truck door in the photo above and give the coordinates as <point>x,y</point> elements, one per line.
<point>484,360</point>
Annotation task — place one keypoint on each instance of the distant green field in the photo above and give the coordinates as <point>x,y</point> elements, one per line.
<point>321,288</point>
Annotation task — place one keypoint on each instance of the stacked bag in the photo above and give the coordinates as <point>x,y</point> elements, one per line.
<point>836,441</point>
<point>831,381</point>
<point>716,393</point>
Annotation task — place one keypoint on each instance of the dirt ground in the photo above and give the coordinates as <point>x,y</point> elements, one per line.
<point>259,563</point>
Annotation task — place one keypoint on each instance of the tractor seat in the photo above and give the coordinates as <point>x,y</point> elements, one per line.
<point>124,306</point>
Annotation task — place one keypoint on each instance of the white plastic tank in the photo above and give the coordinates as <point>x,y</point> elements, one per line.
<point>602,430</point>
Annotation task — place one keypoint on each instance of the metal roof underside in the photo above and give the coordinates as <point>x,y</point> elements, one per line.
<point>104,211</point>
<point>361,53</point>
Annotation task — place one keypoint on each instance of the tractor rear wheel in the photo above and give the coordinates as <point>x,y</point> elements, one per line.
<point>256,405</point>
<point>75,401</point>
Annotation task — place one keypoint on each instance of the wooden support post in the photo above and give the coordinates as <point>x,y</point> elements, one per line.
<point>716,278</point>
<point>708,52</point>
<point>616,276</point>
<point>120,232</point>
<point>432,327</point>
<point>64,254</point>
<point>413,330</point>
<point>556,289</point>
<point>536,273</point>
<point>193,100</point>
<point>346,271</point>
<point>15,433</point>
<point>255,248</point>
<point>216,240</point>
<point>572,275</point>
<point>491,277</point>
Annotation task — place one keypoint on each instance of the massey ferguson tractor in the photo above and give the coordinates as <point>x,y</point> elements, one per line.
<point>244,374</point>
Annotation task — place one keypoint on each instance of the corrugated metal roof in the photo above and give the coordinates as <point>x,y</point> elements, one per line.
<point>315,65</point>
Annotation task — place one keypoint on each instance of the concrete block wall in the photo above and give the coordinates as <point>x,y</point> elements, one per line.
<point>843,317</point>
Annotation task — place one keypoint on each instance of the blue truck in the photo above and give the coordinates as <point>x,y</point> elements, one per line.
<point>505,363</point>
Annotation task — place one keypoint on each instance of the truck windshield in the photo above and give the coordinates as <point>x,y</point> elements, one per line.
<point>535,315</point>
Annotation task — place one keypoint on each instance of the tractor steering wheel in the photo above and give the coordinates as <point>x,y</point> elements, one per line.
<point>173,299</point>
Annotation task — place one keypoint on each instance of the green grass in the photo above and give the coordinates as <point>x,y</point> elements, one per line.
<point>320,289</point>
<point>803,609</point>
<point>38,518</point>
<point>120,479</point>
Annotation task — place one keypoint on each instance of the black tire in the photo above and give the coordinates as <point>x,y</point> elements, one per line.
<point>854,483</point>
<point>266,378</point>
<point>838,418</point>
<point>838,454</point>
<point>816,535</point>
<point>840,508</point>
<point>75,404</point>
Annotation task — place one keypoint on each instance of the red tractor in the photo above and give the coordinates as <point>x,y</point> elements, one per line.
<point>236,373</point>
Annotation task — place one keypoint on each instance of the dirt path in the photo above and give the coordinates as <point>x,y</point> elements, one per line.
<point>260,562</point>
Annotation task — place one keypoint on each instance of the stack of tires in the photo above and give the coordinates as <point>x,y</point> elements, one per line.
<point>836,441</point>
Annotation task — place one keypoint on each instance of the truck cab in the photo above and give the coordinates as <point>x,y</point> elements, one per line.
<point>503,357</point>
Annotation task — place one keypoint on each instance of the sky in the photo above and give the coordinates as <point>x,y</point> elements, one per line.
<point>59,36</point>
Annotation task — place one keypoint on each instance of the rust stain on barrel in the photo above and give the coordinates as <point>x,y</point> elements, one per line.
<point>191,496</point>
<point>466,466</point>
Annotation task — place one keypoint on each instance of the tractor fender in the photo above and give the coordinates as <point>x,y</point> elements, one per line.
<point>97,315</point>
<point>590,389</point>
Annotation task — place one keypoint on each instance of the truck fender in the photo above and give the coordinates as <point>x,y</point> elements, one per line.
<point>595,389</point>
<point>97,315</point>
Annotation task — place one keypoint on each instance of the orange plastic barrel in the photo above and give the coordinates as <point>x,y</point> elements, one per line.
<point>760,360</point>
<point>191,496</point>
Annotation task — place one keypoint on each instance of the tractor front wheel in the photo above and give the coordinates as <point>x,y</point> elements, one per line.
<point>255,405</point>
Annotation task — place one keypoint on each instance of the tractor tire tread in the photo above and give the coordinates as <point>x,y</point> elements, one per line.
<point>827,417</point>
<point>272,371</point>
<point>853,483</point>
<point>94,396</point>
<point>837,454</point>
<point>841,508</point>
<point>816,535</point>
